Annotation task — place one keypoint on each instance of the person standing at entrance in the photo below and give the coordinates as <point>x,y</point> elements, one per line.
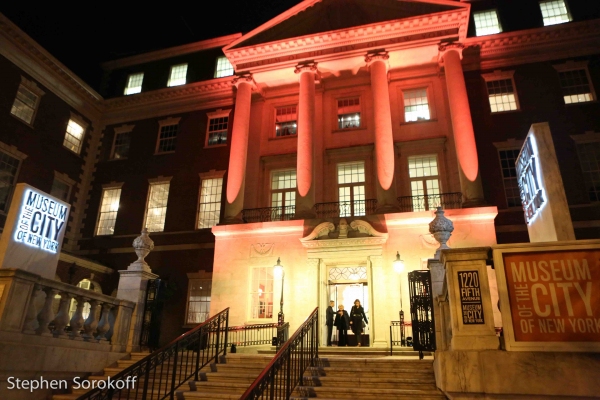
<point>357,314</point>
<point>329,321</point>
<point>342,323</point>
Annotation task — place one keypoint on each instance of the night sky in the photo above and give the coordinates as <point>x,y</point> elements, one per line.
<point>82,39</point>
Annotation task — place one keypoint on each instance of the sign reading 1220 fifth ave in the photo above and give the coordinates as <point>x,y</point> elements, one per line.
<point>34,231</point>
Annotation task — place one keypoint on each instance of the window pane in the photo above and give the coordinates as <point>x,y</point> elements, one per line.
<point>508,160</point>
<point>209,210</point>
<point>420,166</point>
<point>217,130</point>
<point>167,138</point>
<point>554,12</point>
<point>121,147</point>
<point>73,136</point>
<point>281,195</point>
<point>416,106</point>
<point>261,293</point>
<point>486,23</point>
<point>589,156</point>
<point>134,83</point>
<point>575,86</point>
<point>108,211</point>
<point>60,190</point>
<point>224,68</point>
<point>24,105</point>
<point>351,173</point>
<point>283,179</point>
<point>178,75</point>
<point>349,113</point>
<point>285,121</point>
<point>199,294</point>
<point>156,210</point>
<point>501,95</point>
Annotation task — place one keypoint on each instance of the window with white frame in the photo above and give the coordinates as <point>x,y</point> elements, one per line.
<point>486,22</point>
<point>348,113</point>
<point>209,209</point>
<point>285,121</point>
<point>109,207</point>
<point>501,91</point>
<point>261,293</point>
<point>423,173</point>
<point>589,158</point>
<point>351,189</point>
<point>60,189</point>
<point>217,130</point>
<point>26,101</point>
<point>134,83</point>
<point>167,137</point>
<point>575,82</point>
<point>199,292</point>
<point>508,159</point>
<point>178,75</point>
<point>554,12</point>
<point>74,135</point>
<point>283,193</point>
<point>224,67</point>
<point>121,143</point>
<point>156,209</point>
<point>416,105</point>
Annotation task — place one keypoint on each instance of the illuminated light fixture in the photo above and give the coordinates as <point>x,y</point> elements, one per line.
<point>398,264</point>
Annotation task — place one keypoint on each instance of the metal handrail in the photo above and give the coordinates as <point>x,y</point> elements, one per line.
<point>285,371</point>
<point>398,335</point>
<point>269,214</point>
<point>338,209</point>
<point>172,365</point>
<point>252,335</point>
<point>430,202</point>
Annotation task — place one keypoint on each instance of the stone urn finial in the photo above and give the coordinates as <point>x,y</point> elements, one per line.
<point>441,228</point>
<point>142,245</point>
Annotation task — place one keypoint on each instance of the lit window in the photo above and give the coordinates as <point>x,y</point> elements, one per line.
<point>167,138</point>
<point>554,12</point>
<point>156,210</point>
<point>424,182</point>
<point>85,284</point>
<point>589,157</point>
<point>351,189</point>
<point>486,23</point>
<point>285,121</point>
<point>261,293</point>
<point>217,130</point>
<point>26,101</point>
<point>508,159</point>
<point>576,87</point>
<point>178,75</point>
<point>199,292</point>
<point>502,95</point>
<point>121,145</point>
<point>73,136</point>
<point>109,207</point>
<point>60,190</point>
<point>349,113</point>
<point>9,167</point>
<point>209,209</point>
<point>224,68</point>
<point>416,106</point>
<point>134,83</point>
<point>283,194</point>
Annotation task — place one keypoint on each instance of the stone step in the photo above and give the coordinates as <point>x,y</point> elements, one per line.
<point>351,392</point>
<point>226,376</point>
<point>210,396</point>
<point>374,382</point>
<point>221,387</point>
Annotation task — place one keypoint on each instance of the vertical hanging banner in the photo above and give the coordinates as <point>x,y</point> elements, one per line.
<point>34,231</point>
<point>554,295</point>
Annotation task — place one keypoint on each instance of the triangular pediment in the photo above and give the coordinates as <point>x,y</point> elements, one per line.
<point>312,17</point>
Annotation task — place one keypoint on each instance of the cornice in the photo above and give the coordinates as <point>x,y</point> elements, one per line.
<point>533,45</point>
<point>30,57</point>
<point>398,34</point>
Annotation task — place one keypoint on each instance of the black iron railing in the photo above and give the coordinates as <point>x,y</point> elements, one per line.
<point>282,334</point>
<point>398,336</point>
<point>285,371</point>
<point>158,375</point>
<point>269,214</point>
<point>421,311</point>
<point>253,335</point>
<point>430,202</point>
<point>150,333</point>
<point>345,208</point>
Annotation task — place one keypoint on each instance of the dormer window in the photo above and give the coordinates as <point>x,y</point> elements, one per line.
<point>224,68</point>
<point>486,23</point>
<point>134,83</point>
<point>178,75</point>
<point>554,12</point>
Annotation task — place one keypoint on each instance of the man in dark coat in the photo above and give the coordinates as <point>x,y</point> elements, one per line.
<point>329,321</point>
<point>342,322</point>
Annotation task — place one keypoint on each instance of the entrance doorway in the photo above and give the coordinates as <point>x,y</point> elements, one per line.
<point>345,285</point>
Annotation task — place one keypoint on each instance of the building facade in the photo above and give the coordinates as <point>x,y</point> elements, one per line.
<point>325,139</point>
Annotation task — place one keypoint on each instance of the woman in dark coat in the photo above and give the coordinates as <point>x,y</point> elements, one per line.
<point>342,323</point>
<point>357,314</point>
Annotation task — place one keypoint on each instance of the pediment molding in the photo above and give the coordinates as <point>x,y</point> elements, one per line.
<point>326,235</point>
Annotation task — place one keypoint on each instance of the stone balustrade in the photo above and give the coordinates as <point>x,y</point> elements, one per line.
<point>27,306</point>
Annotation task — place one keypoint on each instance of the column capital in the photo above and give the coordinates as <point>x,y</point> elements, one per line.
<point>243,78</point>
<point>309,66</point>
<point>450,46</point>
<point>377,55</point>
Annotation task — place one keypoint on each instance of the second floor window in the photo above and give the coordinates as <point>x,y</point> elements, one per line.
<point>109,207</point>
<point>589,157</point>
<point>61,190</point>
<point>416,105</point>
<point>486,23</point>
<point>576,87</point>
<point>224,68</point>
<point>167,138</point>
<point>502,95</point>
<point>26,101</point>
<point>351,189</point>
<point>554,12</point>
<point>508,159</point>
<point>74,136</point>
<point>283,193</point>
<point>178,75</point>
<point>424,182</point>
<point>217,130</point>
<point>121,145</point>
<point>348,113</point>
<point>134,83</point>
<point>285,121</point>
<point>156,209</point>
<point>209,209</point>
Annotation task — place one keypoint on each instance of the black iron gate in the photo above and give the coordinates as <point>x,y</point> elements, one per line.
<point>421,311</point>
<point>150,334</point>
